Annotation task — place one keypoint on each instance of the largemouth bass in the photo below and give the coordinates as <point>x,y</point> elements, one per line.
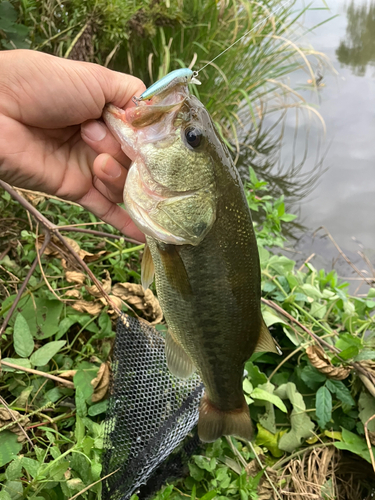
<point>185,194</point>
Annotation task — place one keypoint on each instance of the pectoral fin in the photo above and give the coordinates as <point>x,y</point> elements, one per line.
<point>266,342</point>
<point>147,268</point>
<point>174,269</point>
<point>179,363</point>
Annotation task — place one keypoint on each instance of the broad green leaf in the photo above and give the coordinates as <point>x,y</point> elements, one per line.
<point>87,445</point>
<point>80,428</point>
<point>9,447</point>
<point>196,472</point>
<point>105,324</point>
<point>80,402</point>
<point>45,353</point>
<point>269,440</point>
<point>98,408</point>
<point>64,326</point>
<point>96,469</point>
<point>14,489</point>
<point>264,255</point>
<point>271,318</point>
<point>351,438</point>
<point>311,291</point>
<point>5,495</point>
<point>32,466</point>
<point>318,310</point>
<point>312,377</point>
<point>42,316</point>
<point>342,392</point>
<point>301,423</point>
<point>85,374</point>
<point>22,338</point>
<point>247,386</point>
<point>256,377</point>
<point>14,469</point>
<point>366,406</point>
<point>293,336</point>
<point>346,339</point>
<point>209,495</point>
<point>365,354</point>
<point>352,442</point>
<point>204,463</point>
<point>58,469</point>
<point>53,395</point>
<point>271,398</point>
<point>7,11</point>
<point>349,352</point>
<point>281,264</point>
<point>323,409</point>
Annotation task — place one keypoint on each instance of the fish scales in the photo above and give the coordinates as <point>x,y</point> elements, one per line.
<point>184,192</point>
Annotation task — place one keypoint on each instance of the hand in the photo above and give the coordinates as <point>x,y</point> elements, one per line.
<point>50,140</point>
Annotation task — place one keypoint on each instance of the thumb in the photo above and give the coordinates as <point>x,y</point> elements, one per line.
<point>118,88</point>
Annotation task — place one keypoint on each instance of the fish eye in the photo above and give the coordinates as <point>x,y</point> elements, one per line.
<point>193,136</point>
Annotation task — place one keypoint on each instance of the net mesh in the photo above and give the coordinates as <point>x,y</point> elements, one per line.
<point>150,411</point>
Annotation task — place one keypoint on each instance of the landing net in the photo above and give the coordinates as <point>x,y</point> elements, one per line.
<point>150,411</point>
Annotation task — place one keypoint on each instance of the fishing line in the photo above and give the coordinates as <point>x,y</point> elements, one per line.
<point>243,36</point>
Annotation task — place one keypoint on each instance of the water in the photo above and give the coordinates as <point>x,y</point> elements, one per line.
<point>343,199</point>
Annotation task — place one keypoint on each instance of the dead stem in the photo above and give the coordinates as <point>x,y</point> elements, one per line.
<point>37,372</point>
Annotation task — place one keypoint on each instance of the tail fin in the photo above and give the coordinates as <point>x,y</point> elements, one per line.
<point>214,423</point>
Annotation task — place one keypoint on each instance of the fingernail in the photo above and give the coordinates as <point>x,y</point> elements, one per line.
<point>112,169</point>
<point>94,131</point>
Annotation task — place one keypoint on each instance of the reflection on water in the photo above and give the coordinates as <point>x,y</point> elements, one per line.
<point>342,198</point>
<point>357,50</point>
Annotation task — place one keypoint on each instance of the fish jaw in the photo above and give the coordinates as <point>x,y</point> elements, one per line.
<point>117,122</point>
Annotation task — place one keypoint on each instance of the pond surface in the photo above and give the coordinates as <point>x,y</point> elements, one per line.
<point>343,199</point>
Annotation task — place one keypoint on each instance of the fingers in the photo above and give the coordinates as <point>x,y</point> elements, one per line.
<point>109,212</point>
<point>109,177</point>
<point>99,138</point>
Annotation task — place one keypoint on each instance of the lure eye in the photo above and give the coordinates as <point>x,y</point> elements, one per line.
<point>193,136</point>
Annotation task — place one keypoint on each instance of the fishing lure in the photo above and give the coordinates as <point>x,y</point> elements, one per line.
<point>183,75</point>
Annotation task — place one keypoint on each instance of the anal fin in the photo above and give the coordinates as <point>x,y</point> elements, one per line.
<point>147,268</point>
<point>266,343</point>
<point>179,363</point>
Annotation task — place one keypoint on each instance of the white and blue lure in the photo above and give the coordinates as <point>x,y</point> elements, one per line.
<point>183,75</point>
